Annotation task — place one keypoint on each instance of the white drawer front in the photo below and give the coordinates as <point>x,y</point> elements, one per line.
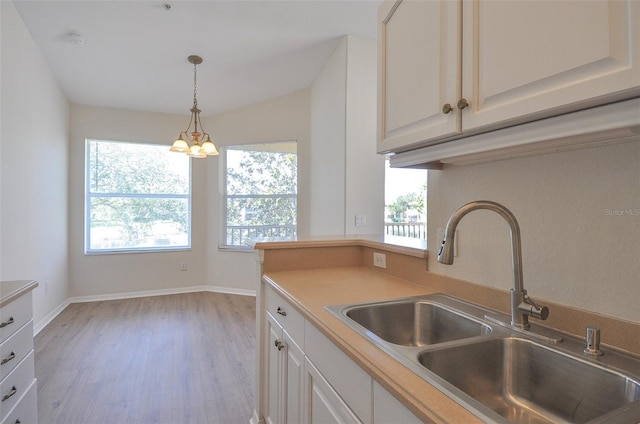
<point>16,384</point>
<point>14,315</point>
<point>16,347</point>
<point>286,315</point>
<point>26,410</point>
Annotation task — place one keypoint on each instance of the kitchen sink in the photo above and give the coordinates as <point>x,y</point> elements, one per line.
<point>499,372</point>
<point>415,322</point>
<point>524,381</point>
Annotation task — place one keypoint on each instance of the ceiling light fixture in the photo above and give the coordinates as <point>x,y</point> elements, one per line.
<point>192,143</point>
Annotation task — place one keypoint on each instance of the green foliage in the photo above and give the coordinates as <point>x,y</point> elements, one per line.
<point>137,194</point>
<point>410,201</point>
<point>261,188</point>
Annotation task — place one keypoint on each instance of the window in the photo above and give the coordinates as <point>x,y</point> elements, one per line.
<point>405,198</point>
<point>260,192</point>
<point>138,198</point>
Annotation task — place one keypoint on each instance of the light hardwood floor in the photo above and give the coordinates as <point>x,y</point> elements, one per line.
<point>186,358</point>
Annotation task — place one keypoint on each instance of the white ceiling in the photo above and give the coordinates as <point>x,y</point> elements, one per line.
<point>134,54</point>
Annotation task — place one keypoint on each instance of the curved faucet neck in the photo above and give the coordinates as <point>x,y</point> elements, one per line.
<point>445,255</point>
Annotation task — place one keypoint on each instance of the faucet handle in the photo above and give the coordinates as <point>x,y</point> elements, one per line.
<point>530,308</point>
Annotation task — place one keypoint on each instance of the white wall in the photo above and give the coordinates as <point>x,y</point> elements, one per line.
<point>364,173</point>
<point>347,176</point>
<point>328,160</point>
<point>279,119</point>
<point>34,148</point>
<point>576,249</point>
<point>284,118</point>
<point>105,274</point>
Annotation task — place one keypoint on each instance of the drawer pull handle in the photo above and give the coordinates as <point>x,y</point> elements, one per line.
<point>279,344</point>
<point>8,358</point>
<point>11,393</point>
<point>4,324</point>
<point>281,311</point>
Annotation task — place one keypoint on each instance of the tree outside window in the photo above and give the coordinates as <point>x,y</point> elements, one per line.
<point>260,197</point>
<point>405,202</point>
<point>138,197</point>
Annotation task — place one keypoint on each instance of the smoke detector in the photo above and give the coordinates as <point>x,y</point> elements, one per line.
<point>74,37</point>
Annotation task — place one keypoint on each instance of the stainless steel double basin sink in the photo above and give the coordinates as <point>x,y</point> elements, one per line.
<point>498,372</point>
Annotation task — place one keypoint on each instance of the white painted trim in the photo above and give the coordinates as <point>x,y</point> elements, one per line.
<point>46,320</point>
<point>585,128</point>
<point>130,295</point>
<point>254,419</point>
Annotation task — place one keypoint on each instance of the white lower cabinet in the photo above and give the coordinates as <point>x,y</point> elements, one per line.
<point>284,376</point>
<point>388,410</point>
<point>323,404</point>
<point>308,379</point>
<point>18,385</point>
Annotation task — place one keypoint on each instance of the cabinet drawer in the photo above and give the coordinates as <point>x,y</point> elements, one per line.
<point>16,384</point>
<point>16,347</point>
<point>286,315</point>
<point>14,315</point>
<point>26,410</point>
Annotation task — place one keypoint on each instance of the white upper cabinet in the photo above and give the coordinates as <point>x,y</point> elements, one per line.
<point>418,72</point>
<point>498,64</point>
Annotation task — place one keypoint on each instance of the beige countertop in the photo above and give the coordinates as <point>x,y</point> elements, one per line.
<point>311,290</point>
<point>11,290</point>
<point>403,245</point>
<point>317,272</point>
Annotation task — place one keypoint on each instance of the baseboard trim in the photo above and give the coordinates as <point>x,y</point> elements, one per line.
<point>46,320</point>
<point>131,295</point>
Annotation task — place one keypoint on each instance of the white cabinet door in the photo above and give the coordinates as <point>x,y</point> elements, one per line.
<point>498,64</point>
<point>274,400</point>
<point>294,358</point>
<point>387,409</point>
<point>418,70</point>
<point>284,376</point>
<point>523,59</point>
<point>323,405</point>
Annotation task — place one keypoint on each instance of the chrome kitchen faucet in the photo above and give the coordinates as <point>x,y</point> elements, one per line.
<point>522,306</point>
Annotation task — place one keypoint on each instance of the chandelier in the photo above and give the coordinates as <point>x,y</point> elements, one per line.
<point>196,143</point>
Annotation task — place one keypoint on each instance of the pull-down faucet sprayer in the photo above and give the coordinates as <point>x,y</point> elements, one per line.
<point>522,306</point>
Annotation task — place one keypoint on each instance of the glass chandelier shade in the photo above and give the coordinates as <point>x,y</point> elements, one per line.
<point>196,143</point>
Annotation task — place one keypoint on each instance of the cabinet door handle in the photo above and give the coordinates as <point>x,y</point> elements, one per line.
<point>11,393</point>
<point>279,344</point>
<point>4,324</point>
<point>281,311</point>
<point>462,103</point>
<point>8,358</point>
<point>446,108</point>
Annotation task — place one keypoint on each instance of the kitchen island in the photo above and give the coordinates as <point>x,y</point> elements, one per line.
<point>309,276</point>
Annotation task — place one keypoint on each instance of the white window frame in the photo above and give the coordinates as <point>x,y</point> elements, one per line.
<point>223,224</point>
<point>87,206</point>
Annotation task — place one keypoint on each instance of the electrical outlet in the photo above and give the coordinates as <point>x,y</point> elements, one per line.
<point>183,266</point>
<point>361,220</point>
<point>379,260</point>
<point>440,236</point>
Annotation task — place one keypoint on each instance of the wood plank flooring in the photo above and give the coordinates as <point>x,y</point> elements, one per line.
<point>186,358</point>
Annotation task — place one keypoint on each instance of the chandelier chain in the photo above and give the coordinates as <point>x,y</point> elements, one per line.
<point>195,98</point>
